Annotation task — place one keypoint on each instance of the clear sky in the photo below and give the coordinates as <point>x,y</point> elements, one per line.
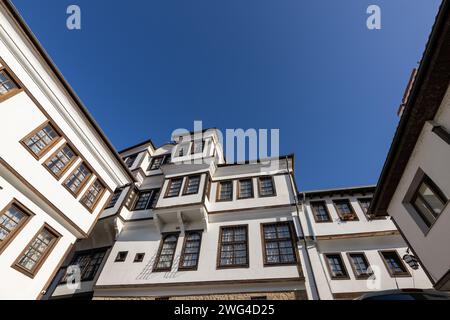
<point>309,68</point>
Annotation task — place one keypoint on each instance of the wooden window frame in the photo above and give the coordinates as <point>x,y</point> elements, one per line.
<point>274,194</point>
<point>12,235</point>
<point>90,253</point>
<point>125,253</point>
<point>239,197</point>
<point>436,191</point>
<point>291,238</point>
<point>405,274</point>
<point>119,191</point>
<point>152,160</point>
<point>360,200</point>
<point>150,199</point>
<point>341,217</point>
<point>99,196</point>
<point>344,267</point>
<point>139,257</point>
<point>186,183</point>
<point>219,249</point>
<point>84,182</point>
<point>17,82</point>
<point>67,166</point>
<point>219,187</point>
<point>180,265</point>
<point>135,155</point>
<point>158,256</point>
<point>32,273</point>
<point>49,146</point>
<point>169,184</point>
<point>314,211</point>
<point>355,272</point>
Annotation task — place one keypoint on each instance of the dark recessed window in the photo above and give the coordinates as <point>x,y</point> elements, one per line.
<point>320,211</point>
<point>365,204</point>
<point>225,191</point>
<point>41,140</point>
<point>192,185</point>
<point>245,189</point>
<point>7,84</point>
<point>93,195</point>
<point>146,200</point>
<point>59,162</point>
<point>157,162</point>
<point>191,250</point>
<point>336,266</point>
<point>174,187</point>
<point>114,198</point>
<point>129,161</point>
<point>394,264</point>
<point>198,146</point>
<point>139,257</point>
<point>259,298</point>
<point>166,253</point>
<point>121,256</point>
<point>429,201</point>
<point>266,187</point>
<point>279,247</point>
<point>360,265</point>
<point>89,262</point>
<point>77,179</point>
<point>345,210</point>
<point>183,149</point>
<point>233,247</point>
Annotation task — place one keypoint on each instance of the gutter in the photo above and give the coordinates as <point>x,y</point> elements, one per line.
<point>18,18</point>
<point>308,257</point>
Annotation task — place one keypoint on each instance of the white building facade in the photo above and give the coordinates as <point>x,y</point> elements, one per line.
<point>57,170</point>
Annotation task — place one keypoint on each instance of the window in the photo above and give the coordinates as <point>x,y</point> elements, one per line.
<point>198,146</point>
<point>279,247</point>
<point>345,210</point>
<point>174,187</point>
<point>208,187</point>
<point>166,253</point>
<point>157,162</point>
<point>192,185</point>
<point>191,250</point>
<point>121,256</point>
<point>360,265</point>
<point>12,219</point>
<point>428,201</point>
<point>40,140</point>
<point>320,211</point>
<point>114,198</point>
<point>146,200</point>
<point>60,161</point>
<point>93,195</point>
<point>139,257</point>
<point>183,149</point>
<point>258,298</point>
<point>394,264</point>
<point>266,187</point>
<point>245,190</point>
<point>7,84</point>
<point>336,266</point>
<point>89,262</point>
<point>225,191</point>
<point>233,247</point>
<point>365,204</point>
<point>37,251</point>
<point>129,160</point>
<point>78,179</point>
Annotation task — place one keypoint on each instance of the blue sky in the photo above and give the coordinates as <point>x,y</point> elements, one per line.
<point>309,68</point>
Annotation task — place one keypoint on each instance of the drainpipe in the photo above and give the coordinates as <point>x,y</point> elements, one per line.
<point>307,258</point>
